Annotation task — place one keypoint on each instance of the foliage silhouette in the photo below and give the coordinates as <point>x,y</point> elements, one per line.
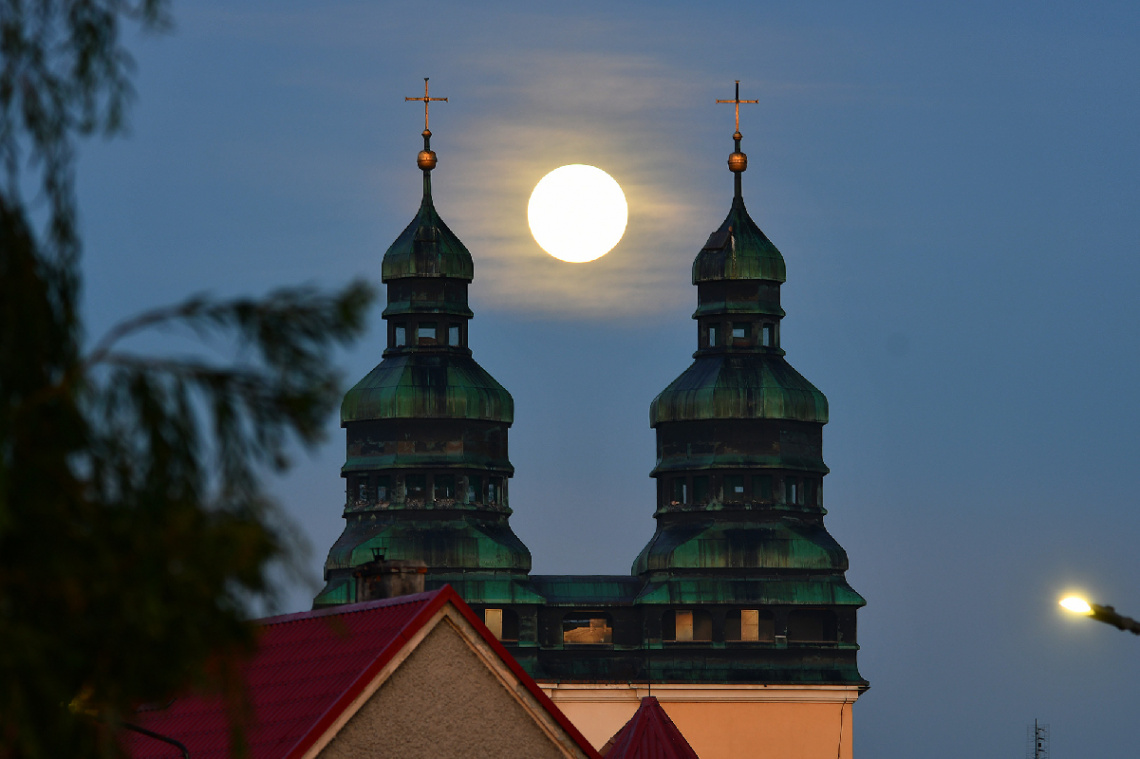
<point>134,529</point>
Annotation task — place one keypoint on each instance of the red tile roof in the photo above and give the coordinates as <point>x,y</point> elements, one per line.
<point>308,668</point>
<point>649,734</point>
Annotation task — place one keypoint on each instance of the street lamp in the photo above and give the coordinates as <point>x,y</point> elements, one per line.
<point>1105,614</point>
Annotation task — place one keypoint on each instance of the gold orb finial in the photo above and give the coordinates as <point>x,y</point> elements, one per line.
<point>426,160</point>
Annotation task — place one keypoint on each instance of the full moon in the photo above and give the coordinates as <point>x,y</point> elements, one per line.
<point>577,213</point>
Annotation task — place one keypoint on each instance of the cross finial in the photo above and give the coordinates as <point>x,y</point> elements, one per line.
<point>737,101</point>
<point>427,101</point>
<point>738,161</point>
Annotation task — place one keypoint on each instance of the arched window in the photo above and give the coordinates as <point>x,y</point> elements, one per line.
<point>811,626</point>
<point>753,625</point>
<point>587,628</point>
<point>686,625</point>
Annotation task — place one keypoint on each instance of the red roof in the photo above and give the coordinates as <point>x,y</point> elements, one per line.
<point>649,734</point>
<point>308,668</point>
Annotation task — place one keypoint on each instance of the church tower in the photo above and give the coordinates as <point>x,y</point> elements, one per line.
<point>746,625</point>
<point>426,469</point>
<point>740,476</point>
<point>737,615</point>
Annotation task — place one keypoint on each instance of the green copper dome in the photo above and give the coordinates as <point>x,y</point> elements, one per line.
<point>427,248</point>
<point>738,250</point>
<point>739,386</point>
<point>428,386</point>
<point>717,542</point>
<point>443,543</point>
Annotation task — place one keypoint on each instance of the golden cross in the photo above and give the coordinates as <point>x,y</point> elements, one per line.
<point>427,101</point>
<point>737,102</point>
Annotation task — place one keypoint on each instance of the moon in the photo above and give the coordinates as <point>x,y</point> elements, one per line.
<point>577,213</point>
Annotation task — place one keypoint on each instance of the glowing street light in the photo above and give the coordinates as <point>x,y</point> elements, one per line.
<point>1105,614</point>
<point>1076,604</point>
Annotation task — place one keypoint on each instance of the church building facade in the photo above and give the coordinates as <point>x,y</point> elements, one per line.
<point>736,615</point>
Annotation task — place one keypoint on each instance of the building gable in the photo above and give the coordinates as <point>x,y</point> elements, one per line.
<point>447,698</point>
<point>317,674</point>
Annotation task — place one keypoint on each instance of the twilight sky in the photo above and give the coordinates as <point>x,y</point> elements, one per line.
<point>954,187</point>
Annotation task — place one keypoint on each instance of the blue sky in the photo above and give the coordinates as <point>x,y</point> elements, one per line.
<point>954,189</point>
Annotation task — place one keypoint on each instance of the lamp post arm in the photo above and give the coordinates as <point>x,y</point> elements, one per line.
<point>1109,616</point>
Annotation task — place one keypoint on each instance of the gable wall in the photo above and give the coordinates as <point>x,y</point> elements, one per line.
<point>442,701</point>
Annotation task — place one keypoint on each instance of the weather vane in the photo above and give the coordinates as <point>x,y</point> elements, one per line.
<point>737,101</point>
<point>427,101</point>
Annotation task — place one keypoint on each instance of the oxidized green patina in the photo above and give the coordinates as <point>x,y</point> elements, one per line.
<point>446,542</point>
<point>739,471</point>
<point>729,541</point>
<point>793,592</point>
<point>428,385</point>
<point>738,250</point>
<point>427,248</point>
<point>426,462</point>
<point>741,386</point>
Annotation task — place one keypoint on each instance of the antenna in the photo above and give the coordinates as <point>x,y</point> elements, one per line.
<point>1037,741</point>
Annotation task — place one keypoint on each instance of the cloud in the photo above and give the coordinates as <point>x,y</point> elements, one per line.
<point>623,114</point>
<point>526,95</point>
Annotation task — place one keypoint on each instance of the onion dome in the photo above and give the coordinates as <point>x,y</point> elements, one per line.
<point>738,250</point>
<point>426,247</point>
<point>739,371</point>
<point>427,371</point>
